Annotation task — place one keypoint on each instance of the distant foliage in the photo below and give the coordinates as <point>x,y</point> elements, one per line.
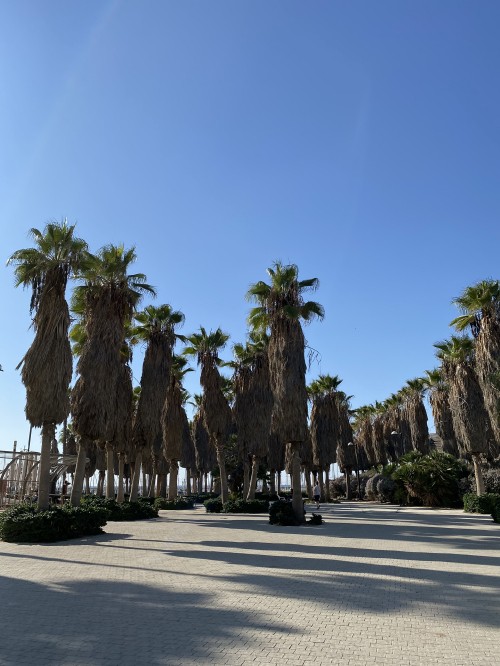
<point>246,506</point>
<point>176,504</point>
<point>140,510</point>
<point>25,523</point>
<point>491,478</point>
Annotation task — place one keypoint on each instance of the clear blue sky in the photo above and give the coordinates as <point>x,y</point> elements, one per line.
<point>357,139</point>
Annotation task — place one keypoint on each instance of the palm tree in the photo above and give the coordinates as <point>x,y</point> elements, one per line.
<point>47,366</point>
<point>481,307</point>
<point>173,421</point>
<point>216,411</point>
<point>324,424</point>
<point>106,303</point>
<point>253,403</point>
<point>466,399</point>
<point>413,393</point>
<point>438,391</point>
<point>156,329</point>
<point>281,308</point>
<point>205,453</point>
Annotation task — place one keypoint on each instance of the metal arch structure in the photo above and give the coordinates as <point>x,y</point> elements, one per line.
<point>19,476</point>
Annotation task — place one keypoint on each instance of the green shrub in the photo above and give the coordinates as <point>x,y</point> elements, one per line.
<point>495,510</point>
<point>175,504</point>
<point>430,480</point>
<point>26,523</point>
<point>140,510</point>
<point>246,506</point>
<point>213,505</point>
<point>371,487</point>
<point>386,489</point>
<point>480,503</point>
<point>281,513</point>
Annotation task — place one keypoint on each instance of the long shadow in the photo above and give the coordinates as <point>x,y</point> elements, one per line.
<point>113,622</point>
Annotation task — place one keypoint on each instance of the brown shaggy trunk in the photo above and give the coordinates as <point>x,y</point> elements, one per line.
<point>246,477</point>
<point>188,482</point>
<point>272,482</point>
<point>297,501</point>
<point>100,483</point>
<point>172,482</point>
<point>478,473</point>
<point>347,475</point>
<point>488,366</point>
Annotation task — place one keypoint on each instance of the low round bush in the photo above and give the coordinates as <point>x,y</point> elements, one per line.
<point>385,489</point>
<point>371,487</point>
<point>124,511</point>
<point>315,519</point>
<point>246,506</point>
<point>26,523</point>
<point>480,503</point>
<point>176,504</point>
<point>213,505</point>
<point>281,513</point>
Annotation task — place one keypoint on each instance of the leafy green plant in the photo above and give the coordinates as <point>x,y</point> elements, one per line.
<point>281,513</point>
<point>213,505</point>
<point>480,503</point>
<point>176,504</point>
<point>246,506</point>
<point>25,523</point>
<point>430,480</point>
<point>140,510</point>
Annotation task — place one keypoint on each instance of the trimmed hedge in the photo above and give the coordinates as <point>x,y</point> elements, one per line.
<point>246,506</point>
<point>213,505</point>
<point>141,510</point>
<point>177,504</point>
<point>25,523</point>
<point>480,503</point>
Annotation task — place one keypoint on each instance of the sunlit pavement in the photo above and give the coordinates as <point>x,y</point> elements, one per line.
<point>374,585</point>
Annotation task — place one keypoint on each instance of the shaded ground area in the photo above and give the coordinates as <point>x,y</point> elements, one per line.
<point>374,585</point>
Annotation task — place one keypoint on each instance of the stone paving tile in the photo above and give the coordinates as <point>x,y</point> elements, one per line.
<point>374,585</point>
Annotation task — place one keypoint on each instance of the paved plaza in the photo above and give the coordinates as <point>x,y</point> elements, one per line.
<point>374,585</point>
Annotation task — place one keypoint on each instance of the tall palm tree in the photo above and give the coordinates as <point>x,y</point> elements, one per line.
<point>480,304</point>
<point>438,391</point>
<point>324,424</point>
<point>156,328</point>
<point>281,308</point>
<point>253,402</point>
<point>47,366</point>
<point>466,399</point>
<point>205,346</point>
<point>205,453</point>
<point>413,393</point>
<point>173,420</point>
<point>106,302</point>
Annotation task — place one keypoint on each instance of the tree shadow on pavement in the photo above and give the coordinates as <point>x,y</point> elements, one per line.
<point>117,622</point>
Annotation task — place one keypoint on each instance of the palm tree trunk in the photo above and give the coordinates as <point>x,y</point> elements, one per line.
<point>321,484</point>
<point>121,466</point>
<point>246,477</point>
<point>297,502</point>
<point>48,433</point>
<point>272,482</point>
<point>134,488</point>
<point>253,479</point>
<point>100,483</point>
<point>172,482</point>
<point>347,474</point>
<point>87,484</point>
<point>327,483</point>
<point>221,460</point>
<point>110,472</point>
<point>308,484</point>
<point>478,472</point>
<point>188,481</point>
<point>76,489</point>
